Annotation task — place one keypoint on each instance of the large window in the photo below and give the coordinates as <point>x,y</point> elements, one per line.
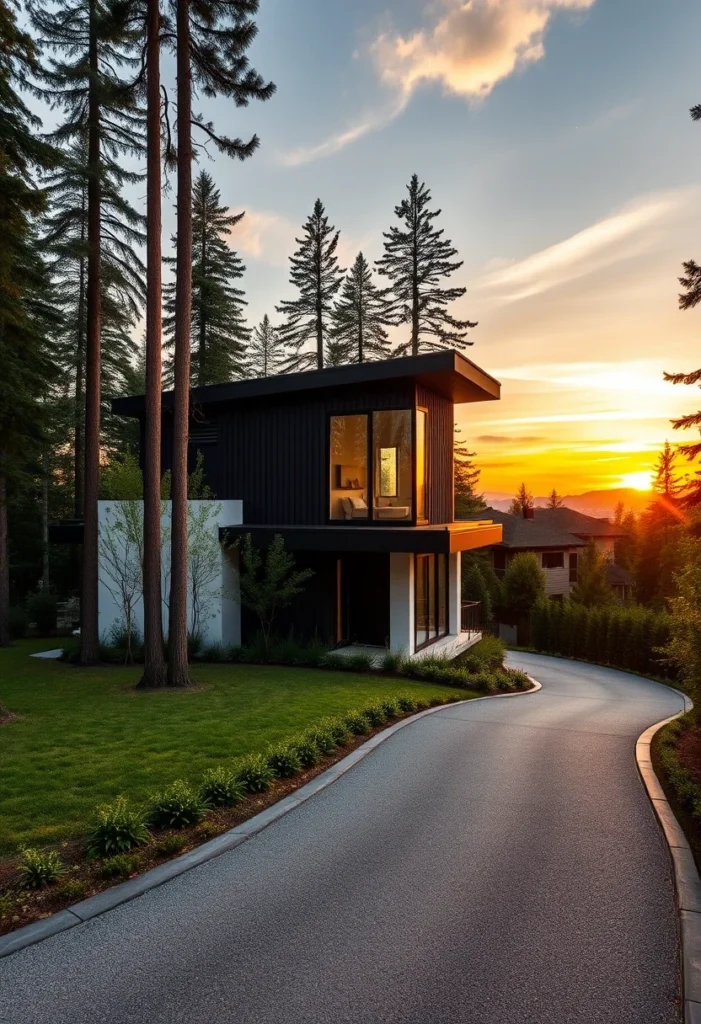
<point>348,449</point>
<point>553,559</point>
<point>391,441</point>
<point>431,599</point>
<point>420,463</point>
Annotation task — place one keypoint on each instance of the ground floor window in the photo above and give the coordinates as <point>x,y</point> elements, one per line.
<point>430,599</point>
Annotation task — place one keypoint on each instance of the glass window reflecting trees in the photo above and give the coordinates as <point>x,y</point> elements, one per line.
<point>430,599</point>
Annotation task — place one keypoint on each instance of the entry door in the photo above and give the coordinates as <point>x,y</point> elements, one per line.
<point>365,599</point>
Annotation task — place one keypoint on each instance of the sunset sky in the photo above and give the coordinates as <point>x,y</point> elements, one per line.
<point>556,137</point>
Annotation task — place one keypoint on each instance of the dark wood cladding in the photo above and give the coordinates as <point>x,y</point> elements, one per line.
<point>439,455</point>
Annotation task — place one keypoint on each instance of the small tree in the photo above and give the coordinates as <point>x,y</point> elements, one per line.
<point>122,480</point>
<point>474,588</point>
<point>121,560</point>
<point>269,582</point>
<point>555,500</point>
<point>203,564</point>
<point>667,482</point>
<point>521,502</point>
<point>265,353</point>
<point>683,649</point>
<point>592,587</point>
<point>466,479</point>
<point>360,318</point>
<point>523,584</point>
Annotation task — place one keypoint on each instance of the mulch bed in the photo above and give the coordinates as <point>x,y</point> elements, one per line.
<point>83,877</point>
<point>689,751</point>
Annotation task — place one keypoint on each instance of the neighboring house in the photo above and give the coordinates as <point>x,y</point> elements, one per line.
<point>353,467</point>
<point>556,536</point>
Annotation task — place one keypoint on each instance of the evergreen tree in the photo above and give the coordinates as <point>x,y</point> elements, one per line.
<point>523,585</point>
<point>555,500</point>
<point>91,41</point>
<point>317,276</point>
<point>360,318</point>
<point>521,502</point>
<point>592,588</point>
<point>416,259</point>
<point>625,548</point>
<point>474,588</point>
<point>688,299</point>
<point>211,40</point>
<point>219,333</point>
<point>667,482</point>
<point>466,479</point>
<point>265,357</point>
<point>25,354</point>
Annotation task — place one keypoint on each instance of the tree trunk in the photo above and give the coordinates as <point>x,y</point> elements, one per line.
<point>360,322</point>
<point>4,568</point>
<point>89,638</point>
<point>319,320</point>
<point>415,286</point>
<point>178,670</point>
<point>78,454</point>
<point>154,661</point>
<point>201,357</point>
<point>45,581</point>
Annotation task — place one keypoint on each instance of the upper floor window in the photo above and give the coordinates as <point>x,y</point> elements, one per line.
<point>348,448</point>
<point>371,466</point>
<point>553,560</point>
<point>421,464</point>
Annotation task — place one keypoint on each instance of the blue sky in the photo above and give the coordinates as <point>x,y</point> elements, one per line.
<point>556,137</point>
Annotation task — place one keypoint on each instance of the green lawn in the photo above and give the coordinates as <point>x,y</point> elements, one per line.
<point>83,736</point>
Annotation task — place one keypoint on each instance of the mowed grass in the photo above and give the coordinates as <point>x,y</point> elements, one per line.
<point>83,736</point>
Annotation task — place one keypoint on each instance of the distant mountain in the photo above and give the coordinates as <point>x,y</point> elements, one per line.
<point>591,503</point>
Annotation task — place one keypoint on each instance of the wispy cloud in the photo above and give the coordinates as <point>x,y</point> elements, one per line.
<point>467,47</point>
<point>507,438</point>
<point>625,234</point>
<point>271,238</point>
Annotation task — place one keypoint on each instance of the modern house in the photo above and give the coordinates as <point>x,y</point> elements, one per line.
<point>557,537</point>
<point>353,467</point>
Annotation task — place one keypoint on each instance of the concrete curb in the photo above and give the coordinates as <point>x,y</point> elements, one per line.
<point>687,883</point>
<point>134,887</point>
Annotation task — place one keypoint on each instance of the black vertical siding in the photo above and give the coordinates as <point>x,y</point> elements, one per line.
<point>439,442</point>
<point>273,453</point>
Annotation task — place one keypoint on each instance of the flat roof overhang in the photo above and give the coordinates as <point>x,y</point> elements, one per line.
<point>447,539</point>
<point>449,373</point>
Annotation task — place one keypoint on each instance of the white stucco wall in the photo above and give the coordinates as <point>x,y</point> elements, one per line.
<point>221,622</point>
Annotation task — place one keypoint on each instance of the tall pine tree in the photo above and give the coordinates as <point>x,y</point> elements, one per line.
<point>688,299</point>
<point>416,260</point>
<point>360,318</point>
<point>466,479</point>
<point>91,45</point>
<point>25,353</point>
<point>317,276</point>
<point>521,502</point>
<point>219,332</point>
<point>211,40</point>
<point>265,354</point>
<point>667,482</point>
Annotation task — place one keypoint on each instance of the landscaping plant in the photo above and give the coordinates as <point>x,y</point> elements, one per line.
<point>284,760</point>
<point>219,788</point>
<point>117,828</point>
<point>176,807</point>
<point>254,773</point>
<point>39,868</point>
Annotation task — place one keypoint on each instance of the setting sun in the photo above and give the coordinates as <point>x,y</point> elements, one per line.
<point>641,481</point>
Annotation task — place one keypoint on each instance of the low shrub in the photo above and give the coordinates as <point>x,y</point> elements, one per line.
<point>284,760</point>
<point>117,828</point>
<point>335,662</point>
<point>291,651</point>
<point>170,844</point>
<point>359,663</point>
<point>19,621</point>
<point>307,750</point>
<point>7,904</point>
<point>357,723</point>
<point>406,703</point>
<point>254,773</point>
<point>338,729</point>
<point>390,706</point>
<point>215,653</point>
<point>176,807</point>
<point>435,702</point>
<point>72,889</point>
<point>219,788</point>
<point>392,663</point>
<point>324,738</point>
<point>42,608</point>
<point>122,865</point>
<point>375,714</point>
<point>487,654</point>
<point>195,645</point>
<point>346,662</point>
<point>39,868</point>
<point>484,682</point>
<point>235,654</point>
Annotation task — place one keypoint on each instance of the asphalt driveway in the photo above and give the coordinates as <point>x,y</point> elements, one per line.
<point>494,863</point>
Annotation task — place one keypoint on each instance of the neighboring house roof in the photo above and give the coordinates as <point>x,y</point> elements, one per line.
<point>571,521</point>
<point>448,372</point>
<point>528,534</point>
<point>617,576</point>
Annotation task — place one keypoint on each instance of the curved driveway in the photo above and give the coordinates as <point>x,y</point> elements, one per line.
<point>494,863</point>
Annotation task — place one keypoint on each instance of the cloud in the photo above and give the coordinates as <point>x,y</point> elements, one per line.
<point>468,47</point>
<point>471,45</point>
<point>271,238</point>
<point>627,233</point>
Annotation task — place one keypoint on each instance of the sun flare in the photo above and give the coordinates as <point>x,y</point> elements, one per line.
<point>641,481</point>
